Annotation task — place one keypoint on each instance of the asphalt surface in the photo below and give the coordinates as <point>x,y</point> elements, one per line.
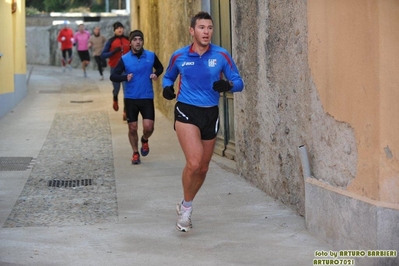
<point>70,196</point>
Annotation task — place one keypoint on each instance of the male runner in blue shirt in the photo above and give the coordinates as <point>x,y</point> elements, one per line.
<point>200,66</point>
<point>138,69</point>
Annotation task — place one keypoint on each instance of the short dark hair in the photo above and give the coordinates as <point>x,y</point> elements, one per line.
<point>117,25</point>
<point>200,15</point>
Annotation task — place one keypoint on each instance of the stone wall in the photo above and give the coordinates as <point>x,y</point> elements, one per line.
<point>279,109</point>
<point>42,47</point>
<point>38,45</point>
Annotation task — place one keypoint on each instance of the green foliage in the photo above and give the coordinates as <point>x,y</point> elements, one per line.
<point>36,4</point>
<point>97,8</point>
<point>56,5</point>
<point>81,9</point>
<point>31,11</point>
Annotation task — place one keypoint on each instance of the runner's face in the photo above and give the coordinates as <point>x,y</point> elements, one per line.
<point>119,31</point>
<point>96,30</point>
<point>137,44</point>
<point>202,32</point>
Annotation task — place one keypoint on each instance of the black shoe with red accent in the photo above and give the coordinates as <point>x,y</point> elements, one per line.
<point>136,158</point>
<point>145,149</point>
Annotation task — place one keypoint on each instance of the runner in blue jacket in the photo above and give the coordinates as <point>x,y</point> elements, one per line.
<point>201,67</point>
<point>138,68</point>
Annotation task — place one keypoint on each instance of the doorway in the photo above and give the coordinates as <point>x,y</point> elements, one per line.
<point>225,140</point>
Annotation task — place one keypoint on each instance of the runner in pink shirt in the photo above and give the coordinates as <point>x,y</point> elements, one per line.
<point>82,41</point>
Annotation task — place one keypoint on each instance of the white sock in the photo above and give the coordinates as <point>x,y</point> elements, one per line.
<point>187,204</point>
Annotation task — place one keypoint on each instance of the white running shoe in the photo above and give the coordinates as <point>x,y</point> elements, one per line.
<point>184,220</point>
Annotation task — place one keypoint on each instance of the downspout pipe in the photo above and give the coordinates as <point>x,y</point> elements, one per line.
<point>303,155</point>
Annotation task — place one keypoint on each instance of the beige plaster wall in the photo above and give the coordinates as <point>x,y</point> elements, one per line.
<point>353,57</point>
<point>388,149</point>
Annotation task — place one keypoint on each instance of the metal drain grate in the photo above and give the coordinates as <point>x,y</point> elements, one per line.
<point>89,101</point>
<point>15,163</point>
<point>70,183</point>
<point>49,91</point>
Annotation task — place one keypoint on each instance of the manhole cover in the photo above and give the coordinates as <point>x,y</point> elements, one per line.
<point>70,183</point>
<point>15,163</point>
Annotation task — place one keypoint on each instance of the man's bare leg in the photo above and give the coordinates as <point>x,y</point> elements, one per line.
<point>133,136</point>
<point>198,155</point>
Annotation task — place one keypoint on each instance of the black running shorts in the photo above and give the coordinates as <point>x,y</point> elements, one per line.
<point>143,106</point>
<point>84,56</point>
<point>205,118</point>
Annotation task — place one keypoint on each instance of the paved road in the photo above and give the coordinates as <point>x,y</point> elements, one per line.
<point>123,214</point>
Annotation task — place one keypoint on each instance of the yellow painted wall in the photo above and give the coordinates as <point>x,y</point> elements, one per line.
<point>6,47</point>
<point>19,38</point>
<point>354,61</point>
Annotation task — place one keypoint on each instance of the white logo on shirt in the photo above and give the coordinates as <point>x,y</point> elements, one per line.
<point>187,64</point>
<point>212,62</point>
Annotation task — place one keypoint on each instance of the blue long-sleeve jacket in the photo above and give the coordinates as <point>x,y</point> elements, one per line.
<point>141,66</point>
<point>198,73</point>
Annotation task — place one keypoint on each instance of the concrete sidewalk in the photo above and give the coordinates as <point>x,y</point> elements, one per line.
<point>126,216</point>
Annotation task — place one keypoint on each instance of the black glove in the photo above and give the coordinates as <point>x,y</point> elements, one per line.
<point>222,85</point>
<point>169,93</point>
<point>117,49</point>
